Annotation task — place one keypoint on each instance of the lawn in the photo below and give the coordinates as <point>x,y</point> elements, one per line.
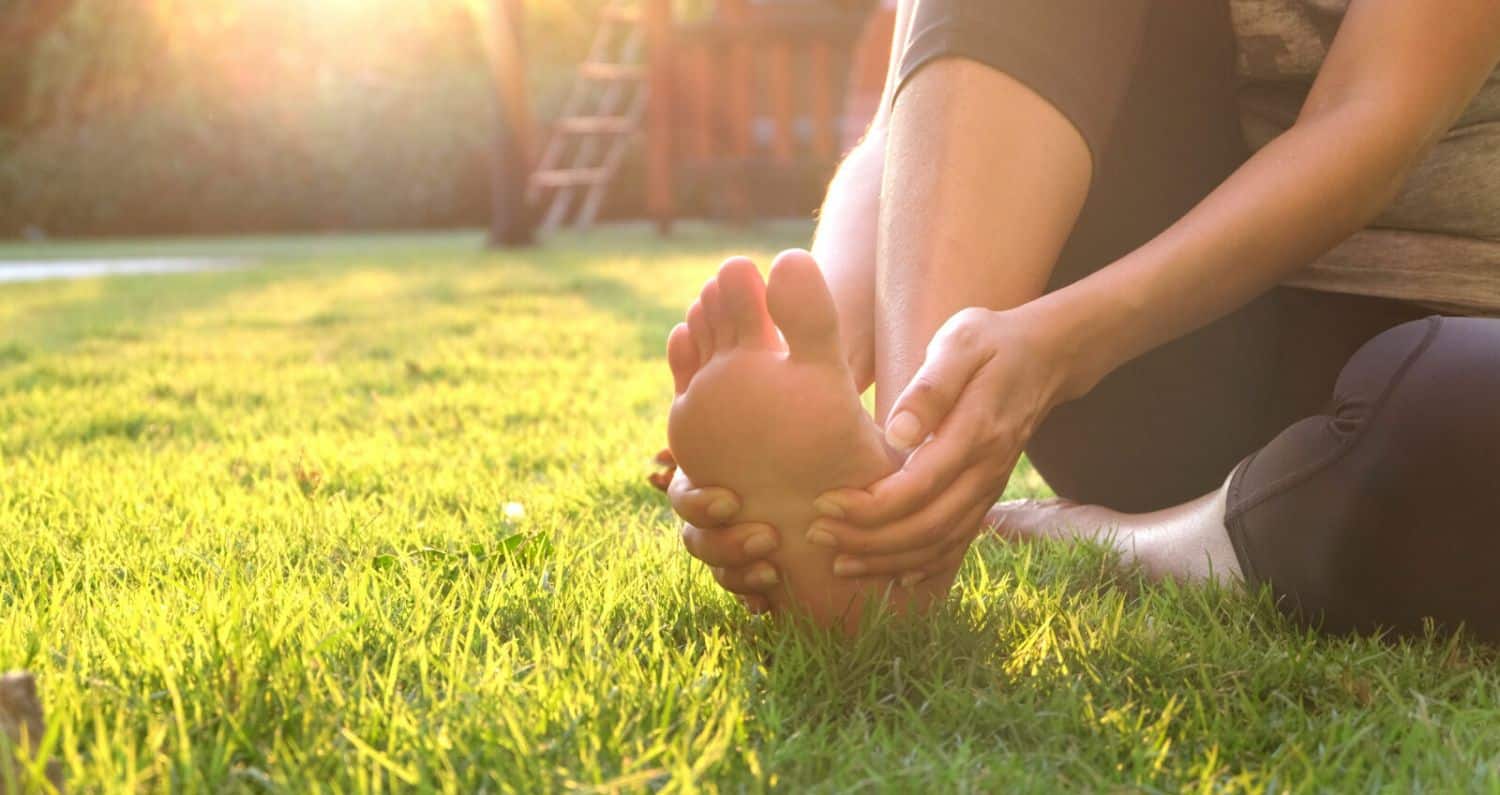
<point>373,515</point>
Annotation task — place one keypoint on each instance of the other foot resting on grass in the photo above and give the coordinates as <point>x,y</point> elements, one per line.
<point>1187,542</point>
<point>775,418</point>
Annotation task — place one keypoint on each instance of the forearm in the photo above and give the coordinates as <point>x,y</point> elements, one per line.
<point>1302,194</point>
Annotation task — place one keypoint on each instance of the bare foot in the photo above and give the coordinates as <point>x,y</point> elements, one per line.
<point>1187,542</point>
<point>776,419</point>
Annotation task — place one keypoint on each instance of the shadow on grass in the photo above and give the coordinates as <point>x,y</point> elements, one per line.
<point>122,308</point>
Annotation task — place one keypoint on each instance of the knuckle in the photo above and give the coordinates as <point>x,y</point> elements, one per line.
<point>933,533</point>
<point>868,543</point>
<point>925,389</point>
<point>966,328</point>
<point>731,580</point>
<point>997,433</point>
<point>924,486</point>
<point>963,336</point>
<point>972,315</point>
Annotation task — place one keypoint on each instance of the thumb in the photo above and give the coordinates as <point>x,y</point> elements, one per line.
<point>955,354</point>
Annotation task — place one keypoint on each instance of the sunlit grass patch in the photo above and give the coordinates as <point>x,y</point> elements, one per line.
<point>374,516</point>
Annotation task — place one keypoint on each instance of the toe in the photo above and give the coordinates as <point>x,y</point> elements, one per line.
<point>682,355</point>
<point>803,308</point>
<point>718,320</point>
<point>703,338</point>
<point>743,294</point>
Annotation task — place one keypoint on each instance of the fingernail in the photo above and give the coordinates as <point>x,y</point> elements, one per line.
<point>903,431</point>
<point>849,567</point>
<point>829,507</point>
<point>760,544</point>
<point>761,578</point>
<point>821,538</point>
<point>722,508</point>
<point>911,578</point>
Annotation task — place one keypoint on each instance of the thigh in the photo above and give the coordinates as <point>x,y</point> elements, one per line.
<point>1382,511</point>
<point>1169,425</point>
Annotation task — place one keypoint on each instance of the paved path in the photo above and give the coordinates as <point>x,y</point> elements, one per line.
<point>43,270</point>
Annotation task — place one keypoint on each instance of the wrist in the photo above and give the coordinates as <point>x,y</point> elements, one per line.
<point>1079,336</point>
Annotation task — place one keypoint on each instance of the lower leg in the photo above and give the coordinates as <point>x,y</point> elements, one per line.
<point>844,249</point>
<point>984,180</point>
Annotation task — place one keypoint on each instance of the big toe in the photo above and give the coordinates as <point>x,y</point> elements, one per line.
<point>743,295</point>
<point>803,308</point>
<point>682,356</point>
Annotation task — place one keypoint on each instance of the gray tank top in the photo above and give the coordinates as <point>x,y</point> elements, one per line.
<point>1439,241</point>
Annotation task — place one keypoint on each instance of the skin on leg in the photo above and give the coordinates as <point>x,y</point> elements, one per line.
<point>1187,542</point>
<point>947,240</point>
<point>984,180</point>
<point>844,249</point>
<point>778,423</point>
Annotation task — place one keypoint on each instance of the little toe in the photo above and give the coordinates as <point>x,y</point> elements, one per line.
<point>714,312</point>
<point>703,337</point>
<point>803,308</point>
<point>743,294</point>
<point>682,356</point>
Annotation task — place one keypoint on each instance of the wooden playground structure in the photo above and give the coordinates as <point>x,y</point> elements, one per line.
<point>750,95</point>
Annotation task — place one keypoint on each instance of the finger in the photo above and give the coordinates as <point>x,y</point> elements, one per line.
<point>707,507</point>
<point>756,579</point>
<point>740,545</point>
<point>929,526</point>
<point>754,603</point>
<point>930,471</point>
<point>967,439</point>
<point>956,352</point>
<point>960,533</point>
<point>947,565</point>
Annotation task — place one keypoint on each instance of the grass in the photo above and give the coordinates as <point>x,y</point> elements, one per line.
<point>373,516</point>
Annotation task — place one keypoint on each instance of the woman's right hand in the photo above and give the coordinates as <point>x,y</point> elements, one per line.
<point>735,553</point>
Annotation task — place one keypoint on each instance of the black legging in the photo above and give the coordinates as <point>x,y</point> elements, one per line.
<point>1150,85</point>
<point>1384,509</point>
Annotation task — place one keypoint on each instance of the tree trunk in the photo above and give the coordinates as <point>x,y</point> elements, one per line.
<point>23,24</point>
<point>511,220</point>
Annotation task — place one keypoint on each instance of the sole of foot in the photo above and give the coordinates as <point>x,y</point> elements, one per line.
<point>766,407</point>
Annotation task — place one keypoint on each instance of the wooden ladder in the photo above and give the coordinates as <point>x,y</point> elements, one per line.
<point>599,120</point>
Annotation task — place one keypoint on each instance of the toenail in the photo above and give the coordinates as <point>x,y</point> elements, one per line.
<point>722,508</point>
<point>822,538</point>
<point>903,431</point>
<point>760,544</point>
<point>911,578</point>
<point>849,567</point>
<point>829,507</point>
<point>762,578</point>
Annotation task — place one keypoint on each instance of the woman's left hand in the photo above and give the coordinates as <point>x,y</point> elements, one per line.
<point>988,380</point>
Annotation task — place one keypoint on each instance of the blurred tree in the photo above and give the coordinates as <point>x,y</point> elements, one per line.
<point>502,33</point>
<point>23,24</point>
